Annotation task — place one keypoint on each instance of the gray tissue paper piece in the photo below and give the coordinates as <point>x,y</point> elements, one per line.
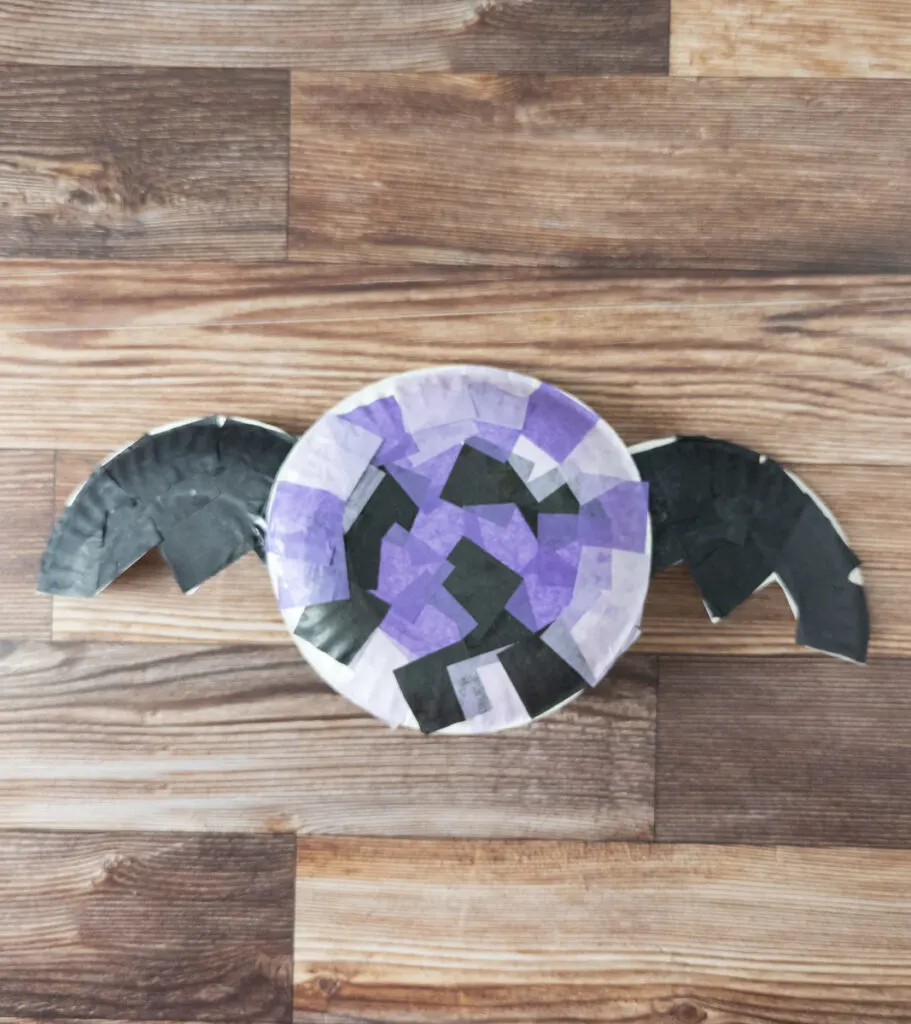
<point>469,689</point>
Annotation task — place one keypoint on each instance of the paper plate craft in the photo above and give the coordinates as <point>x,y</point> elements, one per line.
<point>462,549</point>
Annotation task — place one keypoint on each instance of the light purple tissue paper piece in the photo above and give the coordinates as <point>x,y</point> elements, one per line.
<point>421,554</point>
<point>626,506</point>
<point>496,405</point>
<point>546,591</point>
<point>557,530</point>
<point>555,422</point>
<point>317,548</point>
<point>409,602</point>
<point>436,472</point>
<point>599,454</point>
<point>587,486</point>
<point>593,578</point>
<point>402,560</point>
<point>551,568</point>
<point>416,486</point>
<point>398,535</point>
<point>571,553</point>
<point>513,544</point>
<point>519,606</point>
<point>301,584</point>
<point>430,400</point>
<point>471,527</point>
<point>384,418</point>
<point>435,440</point>
<point>304,515</point>
<point>595,572</point>
<point>499,514</point>
<point>596,528</point>
<point>444,602</point>
<point>362,493</point>
<point>547,600</point>
<point>440,527</point>
<point>431,631</point>
<point>497,442</point>
<point>332,456</point>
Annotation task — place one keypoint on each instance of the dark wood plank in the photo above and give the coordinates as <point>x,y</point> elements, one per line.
<point>810,370</point>
<point>109,736</point>
<point>26,514</point>
<point>764,750</point>
<point>768,38</point>
<point>146,927</point>
<point>132,163</point>
<point>612,172</point>
<point>497,932</point>
<point>580,37</point>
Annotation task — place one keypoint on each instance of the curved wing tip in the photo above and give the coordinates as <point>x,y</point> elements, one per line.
<point>740,520</point>
<point>197,490</point>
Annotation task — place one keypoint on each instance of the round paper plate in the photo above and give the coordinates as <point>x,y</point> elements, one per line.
<point>460,549</point>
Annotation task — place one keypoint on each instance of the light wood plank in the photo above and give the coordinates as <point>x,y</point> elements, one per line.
<point>408,931</point>
<point>811,370</point>
<point>768,751</point>
<point>131,163</point>
<point>238,605</point>
<point>26,515</point>
<point>777,38</point>
<point>584,37</point>
<point>146,927</point>
<point>613,172</point>
<point>107,736</point>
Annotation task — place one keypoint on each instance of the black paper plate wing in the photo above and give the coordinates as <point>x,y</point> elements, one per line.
<point>739,521</point>
<point>195,490</point>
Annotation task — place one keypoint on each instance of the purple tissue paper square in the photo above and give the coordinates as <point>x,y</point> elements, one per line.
<point>384,418</point>
<point>555,422</point>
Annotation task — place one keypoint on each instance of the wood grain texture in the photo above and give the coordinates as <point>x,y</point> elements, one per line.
<point>823,364</point>
<point>408,931</point>
<point>773,751</point>
<point>580,36</point>
<point>107,736</point>
<point>777,38</point>
<point>622,173</point>
<point>132,163</point>
<point>146,927</point>
<point>26,515</point>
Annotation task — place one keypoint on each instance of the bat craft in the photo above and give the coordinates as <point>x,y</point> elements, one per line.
<point>462,549</point>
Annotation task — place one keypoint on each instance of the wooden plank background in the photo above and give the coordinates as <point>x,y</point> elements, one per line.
<point>400,931</point>
<point>146,927</point>
<point>582,36</point>
<point>822,363</point>
<point>27,509</point>
<point>782,751</point>
<point>128,736</point>
<point>142,163</point>
<point>779,38</point>
<point>696,217</point>
<point>618,172</point>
